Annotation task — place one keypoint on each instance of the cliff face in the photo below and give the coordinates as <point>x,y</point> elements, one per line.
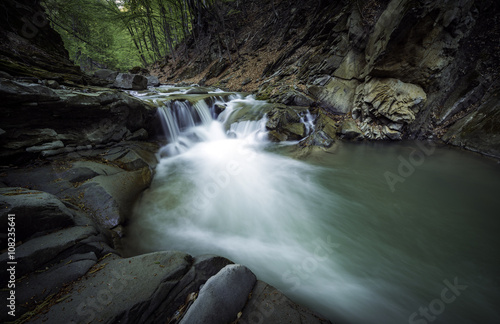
<point>29,47</point>
<point>398,69</point>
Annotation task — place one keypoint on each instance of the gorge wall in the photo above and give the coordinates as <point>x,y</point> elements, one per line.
<point>381,69</point>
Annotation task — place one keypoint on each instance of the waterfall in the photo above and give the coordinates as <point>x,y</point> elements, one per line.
<point>327,231</point>
<point>185,124</point>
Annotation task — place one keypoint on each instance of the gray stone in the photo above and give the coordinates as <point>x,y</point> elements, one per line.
<point>121,291</point>
<point>46,146</point>
<point>41,250</point>
<point>197,91</point>
<point>105,74</point>
<point>350,130</point>
<point>37,286</point>
<point>130,81</point>
<point>153,81</point>
<point>226,292</point>
<point>13,92</point>
<point>138,135</point>
<point>337,95</point>
<point>268,305</point>
<point>36,211</point>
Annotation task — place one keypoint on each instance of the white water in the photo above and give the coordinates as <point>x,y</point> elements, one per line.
<point>330,235</point>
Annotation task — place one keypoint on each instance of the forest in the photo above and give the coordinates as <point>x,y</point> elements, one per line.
<point>120,34</point>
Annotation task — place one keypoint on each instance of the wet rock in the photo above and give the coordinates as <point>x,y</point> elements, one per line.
<point>227,292</point>
<point>297,129</point>
<point>269,305</point>
<point>197,90</point>
<point>41,250</point>
<point>47,146</point>
<point>134,289</point>
<point>479,130</point>
<point>350,130</point>
<point>130,81</point>
<point>37,211</point>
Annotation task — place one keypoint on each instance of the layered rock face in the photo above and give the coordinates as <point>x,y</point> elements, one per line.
<point>397,69</point>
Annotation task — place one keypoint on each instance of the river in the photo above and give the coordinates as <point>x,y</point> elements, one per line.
<point>402,232</point>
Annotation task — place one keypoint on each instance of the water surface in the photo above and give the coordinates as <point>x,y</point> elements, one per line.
<point>330,231</point>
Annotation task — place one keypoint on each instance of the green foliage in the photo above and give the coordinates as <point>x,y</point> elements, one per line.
<point>119,34</point>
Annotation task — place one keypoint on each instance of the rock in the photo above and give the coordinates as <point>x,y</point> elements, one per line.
<point>246,81</point>
<point>478,130</point>
<point>138,135</point>
<point>217,68</point>
<point>226,292</point>
<point>391,134</point>
<point>269,305</point>
<point>53,84</point>
<point>130,81</point>
<point>37,211</point>
<point>153,81</point>
<point>196,90</point>
<point>295,98</point>
<point>327,125</point>
<point>37,286</point>
<point>285,123</point>
<point>41,250</point>
<point>13,92</point>
<point>105,74</point>
<point>111,196</point>
<point>47,146</point>
<point>297,129</point>
<point>350,130</point>
<point>133,291</point>
<point>337,95</point>
<point>77,119</point>
<point>351,67</point>
<point>390,98</point>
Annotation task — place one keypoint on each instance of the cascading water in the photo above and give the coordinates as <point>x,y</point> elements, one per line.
<point>330,234</point>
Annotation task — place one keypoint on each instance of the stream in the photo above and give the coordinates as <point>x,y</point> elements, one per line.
<point>400,232</point>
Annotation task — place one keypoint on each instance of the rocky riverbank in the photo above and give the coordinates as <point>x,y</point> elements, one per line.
<point>75,156</point>
<point>384,70</point>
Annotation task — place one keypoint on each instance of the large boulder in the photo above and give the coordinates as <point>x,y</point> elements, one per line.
<point>393,99</point>
<point>130,81</point>
<point>106,74</point>
<point>227,292</point>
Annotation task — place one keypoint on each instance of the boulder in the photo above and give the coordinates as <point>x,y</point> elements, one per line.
<point>226,292</point>
<point>130,81</point>
<point>41,250</point>
<point>132,291</point>
<point>37,211</point>
<point>269,305</point>
<point>105,74</point>
<point>153,81</point>
<point>390,98</point>
<point>350,130</point>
